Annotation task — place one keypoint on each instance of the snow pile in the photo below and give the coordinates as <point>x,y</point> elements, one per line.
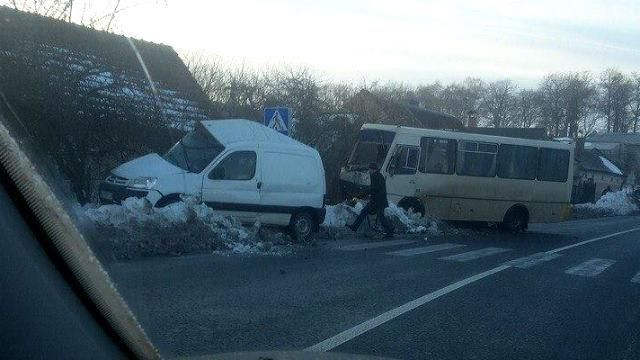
<point>344,213</point>
<point>136,229</point>
<point>612,203</point>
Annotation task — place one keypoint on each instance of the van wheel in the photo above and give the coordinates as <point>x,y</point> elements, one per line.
<point>301,225</point>
<point>516,220</point>
<point>167,200</point>
<point>414,204</point>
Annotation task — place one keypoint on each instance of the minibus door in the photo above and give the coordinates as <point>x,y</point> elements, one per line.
<point>401,171</point>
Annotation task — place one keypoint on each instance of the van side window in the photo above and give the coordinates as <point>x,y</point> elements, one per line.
<point>438,156</point>
<point>476,159</point>
<point>240,165</point>
<point>517,162</point>
<point>553,165</point>
<point>405,160</point>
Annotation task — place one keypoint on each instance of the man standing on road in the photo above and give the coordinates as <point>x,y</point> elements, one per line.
<point>377,202</point>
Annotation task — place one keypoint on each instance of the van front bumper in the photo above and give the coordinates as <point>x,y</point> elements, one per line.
<point>114,194</point>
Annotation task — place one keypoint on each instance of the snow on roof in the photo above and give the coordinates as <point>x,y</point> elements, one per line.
<point>601,146</point>
<point>610,165</point>
<point>230,131</point>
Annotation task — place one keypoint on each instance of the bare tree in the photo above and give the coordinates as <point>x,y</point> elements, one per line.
<point>635,100</point>
<point>527,111</point>
<point>499,101</point>
<point>99,15</point>
<point>616,91</point>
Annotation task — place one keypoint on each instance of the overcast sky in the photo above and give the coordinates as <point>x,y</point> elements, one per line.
<point>403,40</point>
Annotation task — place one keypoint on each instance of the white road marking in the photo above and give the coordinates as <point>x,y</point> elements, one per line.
<point>636,278</point>
<point>424,249</point>
<point>375,245</point>
<point>358,330</point>
<point>591,267</point>
<point>368,325</point>
<point>592,240</point>
<point>475,254</point>
<point>532,260</point>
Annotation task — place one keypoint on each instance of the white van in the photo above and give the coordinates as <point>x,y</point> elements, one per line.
<point>238,167</point>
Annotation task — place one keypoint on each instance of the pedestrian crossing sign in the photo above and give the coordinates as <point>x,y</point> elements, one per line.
<point>277,118</point>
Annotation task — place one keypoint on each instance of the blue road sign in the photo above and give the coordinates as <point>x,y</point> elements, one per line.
<point>278,118</point>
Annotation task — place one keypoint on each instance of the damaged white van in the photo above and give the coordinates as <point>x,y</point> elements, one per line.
<point>238,167</point>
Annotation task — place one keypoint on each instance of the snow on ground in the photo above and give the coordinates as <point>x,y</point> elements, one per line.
<point>136,229</point>
<point>344,213</point>
<point>612,203</point>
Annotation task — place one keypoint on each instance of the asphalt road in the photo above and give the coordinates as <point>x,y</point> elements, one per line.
<point>550,293</point>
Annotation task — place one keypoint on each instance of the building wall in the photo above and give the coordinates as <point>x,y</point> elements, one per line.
<point>602,180</point>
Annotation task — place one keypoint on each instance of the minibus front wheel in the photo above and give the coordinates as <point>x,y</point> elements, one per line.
<point>413,204</point>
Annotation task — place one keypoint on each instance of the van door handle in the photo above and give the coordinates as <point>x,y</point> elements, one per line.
<point>259,184</point>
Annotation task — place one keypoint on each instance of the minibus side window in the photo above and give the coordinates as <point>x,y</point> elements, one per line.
<point>476,159</point>
<point>240,165</point>
<point>553,165</point>
<point>405,160</point>
<point>438,156</point>
<point>517,162</point>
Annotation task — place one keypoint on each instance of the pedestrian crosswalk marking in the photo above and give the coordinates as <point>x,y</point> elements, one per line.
<point>636,278</point>
<point>591,267</point>
<point>475,254</point>
<point>375,245</point>
<point>424,249</point>
<point>532,260</point>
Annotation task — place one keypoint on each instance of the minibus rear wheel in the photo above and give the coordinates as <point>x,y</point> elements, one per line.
<point>301,225</point>
<point>516,219</point>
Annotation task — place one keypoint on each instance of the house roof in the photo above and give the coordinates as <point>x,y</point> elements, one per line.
<point>375,109</point>
<point>103,64</point>
<point>621,138</point>
<point>592,160</point>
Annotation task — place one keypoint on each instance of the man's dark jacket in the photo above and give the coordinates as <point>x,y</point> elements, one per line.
<point>378,191</point>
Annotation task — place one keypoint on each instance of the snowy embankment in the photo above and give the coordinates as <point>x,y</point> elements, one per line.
<point>611,204</point>
<point>342,214</point>
<point>135,230</point>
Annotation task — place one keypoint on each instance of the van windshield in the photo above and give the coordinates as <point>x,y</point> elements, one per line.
<point>372,146</point>
<point>195,150</point>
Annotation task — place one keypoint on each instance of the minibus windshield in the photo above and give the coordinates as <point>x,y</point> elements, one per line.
<point>372,146</point>
<point>194,151</point>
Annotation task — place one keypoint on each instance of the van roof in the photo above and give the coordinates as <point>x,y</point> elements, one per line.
<point>234,131</point>
<point>469,136</point>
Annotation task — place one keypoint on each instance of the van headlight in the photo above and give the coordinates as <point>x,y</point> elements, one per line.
<point>143,182</point>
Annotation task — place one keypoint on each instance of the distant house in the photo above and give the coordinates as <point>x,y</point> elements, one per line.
<point>375,109</point>
<point>623,149</point>
<point>594,175</point>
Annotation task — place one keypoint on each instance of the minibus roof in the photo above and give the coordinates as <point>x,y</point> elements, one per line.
<point>468,136</point>
<point>233,131</point>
